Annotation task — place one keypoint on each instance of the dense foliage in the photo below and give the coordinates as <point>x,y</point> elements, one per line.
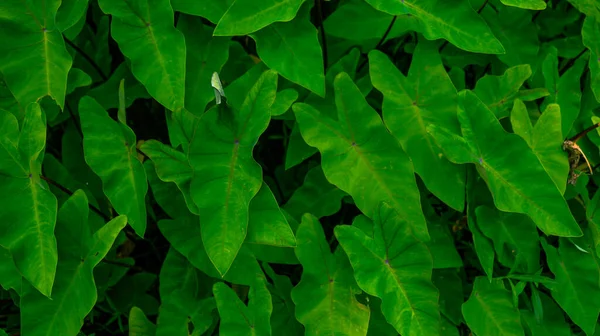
<point>299,167</point>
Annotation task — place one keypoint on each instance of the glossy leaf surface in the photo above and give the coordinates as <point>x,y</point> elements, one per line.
<point>326,293</point>
<point>396,267</point>
<point>514,189</point>
<point>360,157</point>
<point>223,186</point>
<point>110,151</point>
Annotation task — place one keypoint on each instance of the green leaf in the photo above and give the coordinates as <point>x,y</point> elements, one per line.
<point>106,93</point>
<point>166,194</point>
<point>552,323</point>
<point>509,167</point>
<point>278,45</point>
<point>185,293</point>
<point>283,318</point>
<point>441,246</point>
<point>231,177</point>
<point>499,92</point>
<point>171,166</point>
<point>267,225</point>
<point>455,21</point>
<point>591,39</point>
<point>326,292</point>
<point>576,291</point>
<point>545,140</point>
<point>110,150</point>
<point>490,311</point>
<point>526,4</point>
<point>33,58</point>
<point>360,157</point>
<point>139,325</point>
<point>27,201</point>
<point>515,238</point>
<point>211,10</point>
<point>69,13</point>
<point>239,319</point>
<point>450,285</point>
<point>74,291</point>
<point>427,96</point>
<point>477,194</point>
<point>283,101</point>
<point>205,55</point>
<point>145,34</point>
<point>396,267</point>
<point>244,17</point>
<point>564,90</point>
<point>316,196</point>
<point>356,20</point>
<point>517,33</point>
<point>184,235</point>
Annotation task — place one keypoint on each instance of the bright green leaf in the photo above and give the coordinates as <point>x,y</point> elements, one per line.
<point>244,17</point>
<point>510,168</point>
<point>145,33</point>
<point>110,150</point>
<point>26,199</point>
<point>33,58</point>
<point>396,267</point>
<point>223,186</point>
<point>591,39</point>
<point>74,291</point>
<point>427,96</point>
<point>526,4</point>
<point>455,21</point>
<point>278,45</point>
<point>360,157</point>
<point>326,292</point>
<point>499,92</point>
<point>545,140</point>
<point>139,325</point>
<point>267,225</point>
<point>236,318</point>
<point>490,310</point>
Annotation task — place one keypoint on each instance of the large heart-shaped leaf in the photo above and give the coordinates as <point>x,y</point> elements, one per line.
<point>74,291</point>
<point>226,177</point>
<point>396,267</point>
<point>110,150</point>
<point>360,156</point>
<point>28,213</point>
<point>511,169</point>
<point>326,292</point>
<point>33,58</point>
<point>426,96</point>
<point>145,33</point>
<point>490,310</point>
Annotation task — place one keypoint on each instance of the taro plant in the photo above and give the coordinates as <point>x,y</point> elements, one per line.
<point>299,167</point>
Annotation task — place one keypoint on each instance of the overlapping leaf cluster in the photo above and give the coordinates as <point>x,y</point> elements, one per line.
<point>376,167</point>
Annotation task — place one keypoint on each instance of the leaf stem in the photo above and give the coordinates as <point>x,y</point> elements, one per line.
<point>69,192</point>
<point>319,6</point>
<point>584,132</point>
<point>87,58</point>
<point>570,63</point>
<point>387,32</point>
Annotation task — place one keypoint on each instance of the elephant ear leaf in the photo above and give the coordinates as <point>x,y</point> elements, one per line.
<point>490,310</point>
<point>110,151</point>
<point>225,175</point>
<point>518,181</point>
<point>26,199</point>
<point>74,291</point>
<point>396,267</point>
<point>239,319</point>
<point>360,156</point>
<point>326,293</point>
<point>34,60</point>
